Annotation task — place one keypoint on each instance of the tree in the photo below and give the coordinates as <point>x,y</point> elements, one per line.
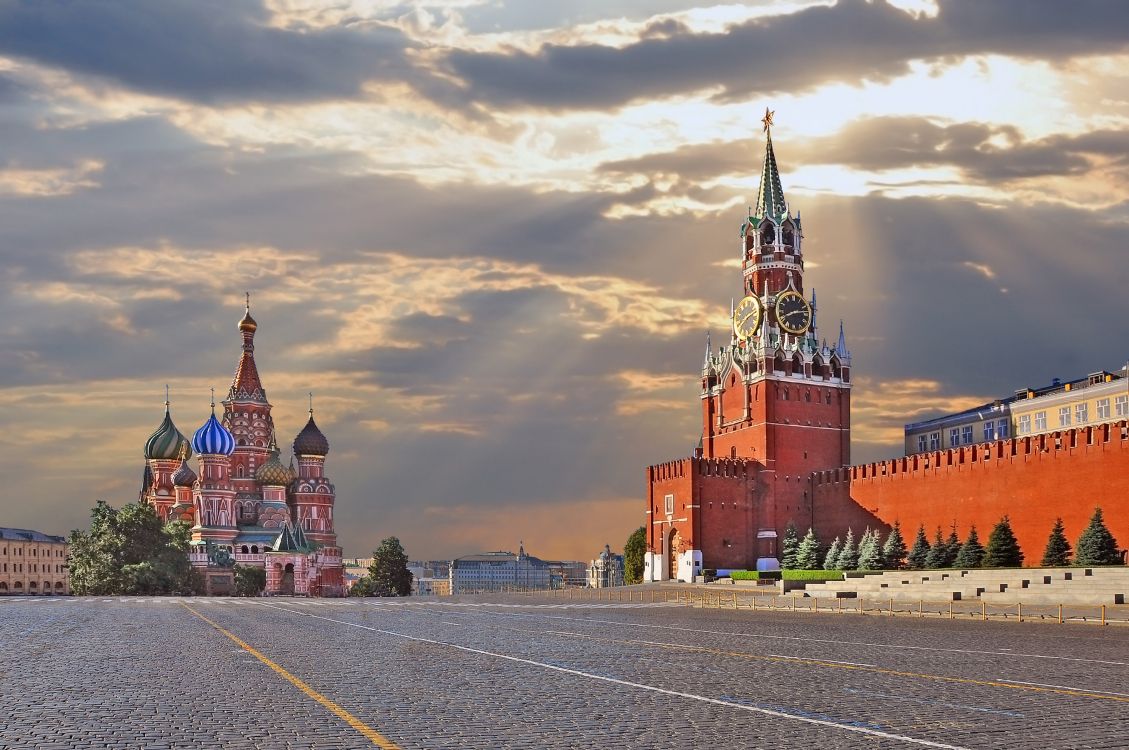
<point>807,554</point>
<point>1003,549</point>
<point>849,555</point>
<point>938,552</point>
<point>389,574</point>
<point>634,552</point>
<point>919,556</point>
<point>894,551</point>
<point>1057,553</point>
<point>952,547</point>
<point>130,551</point>
<point>788,546</point>
<point>831,561</point>
<point>870,554</point>
<point>362,587</point>
<point>250,580</point>
<point>971,552</point>
<point>1097,546</point>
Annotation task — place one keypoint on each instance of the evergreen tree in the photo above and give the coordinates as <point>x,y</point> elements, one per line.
<point>131,551</point>
<point>389,574</point>
<point>894,551</point>
<point>848,558</point>
<point>952,547</point>
<point>971,552</point>
<point>807,554</point>
<point>938,552</point>
<point>1057,553</point>
<point>831,562</point>
<point>1097,546</point>
<point>788,546</point>
<point>634,552</point>
<point>1003,549</point>
<point>919,556</point>
<point>869,551</point>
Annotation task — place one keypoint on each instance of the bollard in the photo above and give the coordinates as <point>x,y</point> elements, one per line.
<point>891,606</point>
<point>950,610</point>
<point>793,602</point>
<point>1019,608</point>
<point>920,603</point>
<point>839,604</point>
<point>1103,614</point>
<point>984,609</point>
<point>1060,614</point>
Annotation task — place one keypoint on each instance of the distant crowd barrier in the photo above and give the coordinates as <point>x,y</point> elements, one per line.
<point>1094,614</point>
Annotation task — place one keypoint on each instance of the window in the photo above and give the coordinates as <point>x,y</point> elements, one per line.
<point>1081,413</point>
<point>989,431</point>
<point>920,443</point>
<point>669,502</point>
<point>1103,408</point>
<point>934,441</point>
<point>1003,429</point>
<point>954,437</point>
<point>1040,420</point>
<point>966,434</point>
<point>1121,406</point>
<point>1024,424</point>
<point>1064,416</point>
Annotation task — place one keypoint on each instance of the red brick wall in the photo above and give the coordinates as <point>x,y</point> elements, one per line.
<point>1033,480</point>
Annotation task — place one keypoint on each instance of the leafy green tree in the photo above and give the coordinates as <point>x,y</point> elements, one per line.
<point>807,554</point>
<point>1003,549</point>
<point>362,587</point>
<point>249,580</point>
<point>894,550</point>
<point>1097,546</point>
<point>918,557</point>
<point>389,574</point>
<point>831,561</point>
<point>1057,553</point>
<point>870,554</point>
<point>971,553</point>
<point>788,546</point>
<point>130,551</point>
<point>634,553</point>
<point>938,552</point>
<point>849,555</point>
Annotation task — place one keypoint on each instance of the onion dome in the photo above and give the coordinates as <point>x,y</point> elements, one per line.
<point>248,324</point>
<point>213,439</point>
<point>273,473</point>
<point>184,476</point>
<point>166,440</point>
<point>310,441</point>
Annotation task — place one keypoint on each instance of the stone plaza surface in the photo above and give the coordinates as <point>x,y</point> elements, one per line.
<point>518,672</point>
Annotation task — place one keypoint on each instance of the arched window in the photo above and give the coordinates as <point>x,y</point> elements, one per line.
<point>245,549</point>
<point>254,549</point>
<point>797,364</point>
<point>768,234</point>
<point>778,362</point>
<point>836,370</point>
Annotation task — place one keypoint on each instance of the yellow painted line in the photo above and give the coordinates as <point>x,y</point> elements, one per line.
<point>829,664</point>
<point>376,737</point>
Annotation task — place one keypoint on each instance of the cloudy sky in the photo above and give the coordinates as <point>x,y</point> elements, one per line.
<point>490,235</point>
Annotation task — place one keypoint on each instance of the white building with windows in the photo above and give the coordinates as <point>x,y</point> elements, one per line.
<point>606,570</point>
<point>498,571</point>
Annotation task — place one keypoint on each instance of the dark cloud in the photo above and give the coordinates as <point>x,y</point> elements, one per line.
<point>985,153</point>
<point>202,50</point>
<point>849,42</point>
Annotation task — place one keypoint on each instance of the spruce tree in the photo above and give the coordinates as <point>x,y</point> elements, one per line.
<point>849,555</point>
<point>952,547</point>
<point>1057,553</point>
<point>788,546</point>
<point>869,552</point>
<point>919,555</point>
<point>807,554</point>
<point>831,562</point>
<point>894,551</point>
<point>971,552</point>
<point>938,552</point>
<point>1097,546</point>
<point>1003,550</point>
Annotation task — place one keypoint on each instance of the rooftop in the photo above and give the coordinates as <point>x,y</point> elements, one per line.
<point>27,535</point>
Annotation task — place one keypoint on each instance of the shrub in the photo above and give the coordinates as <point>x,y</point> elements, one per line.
<point>744,575</point>
<point>812,575</point>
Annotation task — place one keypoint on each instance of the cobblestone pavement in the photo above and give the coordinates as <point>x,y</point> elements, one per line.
<point>521,673</point>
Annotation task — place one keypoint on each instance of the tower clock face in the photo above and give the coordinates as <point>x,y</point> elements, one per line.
<point>793,313</point>
<point>747,317</point>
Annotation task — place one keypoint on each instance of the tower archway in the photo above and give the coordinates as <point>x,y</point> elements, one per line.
<point>674,545</point>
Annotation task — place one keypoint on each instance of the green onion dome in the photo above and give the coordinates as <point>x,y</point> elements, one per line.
<point>273,473</point>
<point>166,441</point>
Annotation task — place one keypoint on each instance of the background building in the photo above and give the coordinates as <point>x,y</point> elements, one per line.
<point>606,570</point>
<point>498,571</point>
<point>33,563</point>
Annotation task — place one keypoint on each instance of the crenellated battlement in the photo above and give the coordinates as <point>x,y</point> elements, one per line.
<point>693,465</point>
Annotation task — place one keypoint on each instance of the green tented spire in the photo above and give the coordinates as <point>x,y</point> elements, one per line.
<point>770,196</point>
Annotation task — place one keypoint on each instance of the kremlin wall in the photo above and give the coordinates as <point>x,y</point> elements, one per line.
<point>775,444</point>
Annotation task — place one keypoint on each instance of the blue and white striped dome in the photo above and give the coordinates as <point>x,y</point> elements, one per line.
<point>213,439</point>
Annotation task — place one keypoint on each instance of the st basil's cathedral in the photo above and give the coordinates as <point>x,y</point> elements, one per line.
<point>244,505</point>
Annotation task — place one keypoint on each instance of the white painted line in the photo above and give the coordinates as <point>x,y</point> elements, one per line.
<point>810,640</point>
<point>929,701</point>
<point>1063,687</point>
<point>826,661</point>
<point>639,685</point>
<point>456,624</point>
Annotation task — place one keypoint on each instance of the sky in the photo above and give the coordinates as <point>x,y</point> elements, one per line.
<point>490,236</point>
